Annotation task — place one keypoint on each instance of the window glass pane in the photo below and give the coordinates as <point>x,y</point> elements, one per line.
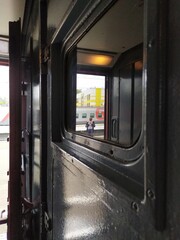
<point>99,115</point>
<point>84,115</point>
<point>4,99</point>
<point>4,47</point>
<point>90,104</point>
<point>92,115</point>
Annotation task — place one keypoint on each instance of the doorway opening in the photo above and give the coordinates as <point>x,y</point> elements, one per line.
<point>4,147</point>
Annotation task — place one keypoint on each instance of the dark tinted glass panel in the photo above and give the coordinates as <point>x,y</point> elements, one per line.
<point>84,115</point>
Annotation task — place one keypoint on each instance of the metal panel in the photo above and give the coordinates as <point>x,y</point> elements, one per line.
<point>87,205</point>
<point>156,108</point>
<point>115,109</point>
<point>173,120</point>
<point>14,211</point>
<point>137,123</point>
<point>115,94</point>
<point>125,105</point>
<point>56,14</point>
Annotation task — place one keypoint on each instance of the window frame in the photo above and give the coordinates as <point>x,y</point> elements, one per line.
<point>112,149</point>
<point>125,166</point>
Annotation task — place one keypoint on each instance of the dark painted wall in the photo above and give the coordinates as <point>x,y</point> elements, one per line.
<point>82,203</point>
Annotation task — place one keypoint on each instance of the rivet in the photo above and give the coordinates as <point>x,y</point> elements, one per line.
<point>151,43</point>
<point>150,194</point>
<point>135,206</point>
<point>111,152</point>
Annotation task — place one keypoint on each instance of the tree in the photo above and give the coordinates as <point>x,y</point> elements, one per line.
<point>78,91</point>
<point>3,101</point>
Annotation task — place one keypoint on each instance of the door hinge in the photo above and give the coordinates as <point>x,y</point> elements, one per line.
<point>24,89</point>
<point>46,223</point>
<point>45,55</point>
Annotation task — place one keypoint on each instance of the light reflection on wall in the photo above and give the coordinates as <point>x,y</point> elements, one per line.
<point>80,233</point>
<point>84,209</point>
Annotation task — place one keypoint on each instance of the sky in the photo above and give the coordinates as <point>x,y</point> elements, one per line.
<point>4,81</point>
<point>85,81</point>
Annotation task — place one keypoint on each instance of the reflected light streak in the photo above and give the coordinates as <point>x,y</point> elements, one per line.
<point>139,65</point>
<point>81,200</point>
<point>94,59</point>
<point>100,60</point>
<point>79,233</point>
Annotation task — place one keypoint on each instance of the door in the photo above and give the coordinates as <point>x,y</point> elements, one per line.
<point>14,209</point>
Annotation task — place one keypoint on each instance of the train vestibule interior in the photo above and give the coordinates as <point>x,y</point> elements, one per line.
<point>89,119</point>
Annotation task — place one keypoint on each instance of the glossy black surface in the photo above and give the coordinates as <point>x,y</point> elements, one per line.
<point>91,195</point>
<point>88,206</point>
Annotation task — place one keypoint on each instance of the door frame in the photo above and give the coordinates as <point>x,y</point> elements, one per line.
<point>14,208</point>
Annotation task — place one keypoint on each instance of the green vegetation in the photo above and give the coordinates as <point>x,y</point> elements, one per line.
<point>78,91</point>
<point>4,101</point>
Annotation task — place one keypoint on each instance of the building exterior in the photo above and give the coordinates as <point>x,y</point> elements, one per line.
<point>92,97</point>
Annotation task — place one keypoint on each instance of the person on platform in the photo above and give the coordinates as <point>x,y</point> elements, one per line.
<point>90,125</point>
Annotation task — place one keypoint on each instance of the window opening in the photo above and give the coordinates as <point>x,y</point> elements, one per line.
<point>90,99</point>
<point>92,115</point>
<point>4,49</point>
<point>4,145</point>
<point>112,50</point>
<point>84,115</point>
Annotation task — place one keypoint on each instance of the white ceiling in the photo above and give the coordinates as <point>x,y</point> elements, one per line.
<point>119,30</point>
<point>10,10</point>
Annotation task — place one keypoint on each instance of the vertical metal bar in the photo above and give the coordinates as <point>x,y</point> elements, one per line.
<point>156,106</point>
<point>43,116</point>
<point>132,102</point>
<point>14,211</point>
<point>160,207</point>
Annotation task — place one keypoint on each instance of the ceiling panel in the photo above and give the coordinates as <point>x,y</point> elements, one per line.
<point>10,10</point>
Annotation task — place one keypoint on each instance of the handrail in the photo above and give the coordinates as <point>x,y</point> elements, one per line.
<point>3,221</point>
